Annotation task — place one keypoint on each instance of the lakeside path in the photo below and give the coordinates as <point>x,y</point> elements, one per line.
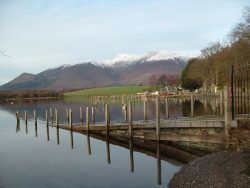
<point>228,169</point>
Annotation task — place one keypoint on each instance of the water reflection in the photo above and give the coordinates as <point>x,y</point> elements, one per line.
<point>130,147</point>
<point>169,108</point>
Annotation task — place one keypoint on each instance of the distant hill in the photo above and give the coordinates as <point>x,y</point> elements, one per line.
<point>123,69</point>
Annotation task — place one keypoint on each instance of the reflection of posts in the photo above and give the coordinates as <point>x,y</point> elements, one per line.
<point>89,146</point>
<point>57,120</point>
<point>57,136</point>
<point>108,151</point>
<point>132,168</point>
<point>71,140</point>
<point>17,121</point>
<point>26,121</point>
<point>47,127</point>
<point>35,119</point>
<point>158,164</point>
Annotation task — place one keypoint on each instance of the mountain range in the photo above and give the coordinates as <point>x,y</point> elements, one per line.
<point>121,70</point>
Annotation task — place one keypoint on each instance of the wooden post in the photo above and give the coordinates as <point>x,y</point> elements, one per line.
<point>67,115</point>
<point>167,111</point>
<point>25,117</point>
<point>35,117</point>
<point>51,116</point>
<point>221,103</point>
<point>81,117</point>
<point>107,118</point>
<point>145,111</point>
<point>57,124</point>
<point>227,114</point>
<point>157,111</point>
<point>192,105</point>
<point>87,118</point>
<point>93,115</point>
<point>125,113</point>
<point>46,117</point>
<point>130,119</point>
<point>70,118</point>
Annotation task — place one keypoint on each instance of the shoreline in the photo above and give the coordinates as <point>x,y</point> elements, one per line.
<point>221,169</point>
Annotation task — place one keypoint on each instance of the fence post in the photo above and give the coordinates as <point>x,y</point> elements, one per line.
<point>81,117</point>
<point>107,118</point>
<point>93,115</point>
<point>232,90</point>
<point>192,105</point>
<point>227,114</point>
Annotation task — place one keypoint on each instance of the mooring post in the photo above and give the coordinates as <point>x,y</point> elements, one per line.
<point>227,114</point>
<point>157,111</point>
<point>87,118</point>
<point>221,103</point>
<point>145,110</point>
<point>35,117</point>
<point>166,104</point>
<point>93,115</point>
<point>70,118</point>
<point>51,116</point>
<point>107,118</point>
<point>130,119</point>
<point>81,117</point>
<point>25,117</point>
<point>192,105</point>
<point>125,111</point>
<point>57,124</point>
<point>67,115</point>
<point>46,118</point>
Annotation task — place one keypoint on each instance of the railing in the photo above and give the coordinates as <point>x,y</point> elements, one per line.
<point>240,90</point>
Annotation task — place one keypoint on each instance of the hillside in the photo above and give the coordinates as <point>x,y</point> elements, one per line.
<point>121,70</point>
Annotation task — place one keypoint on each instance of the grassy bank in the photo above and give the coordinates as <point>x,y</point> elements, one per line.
<point>104,91</point>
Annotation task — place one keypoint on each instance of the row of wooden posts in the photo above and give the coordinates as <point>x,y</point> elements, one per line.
<point>126,110</point>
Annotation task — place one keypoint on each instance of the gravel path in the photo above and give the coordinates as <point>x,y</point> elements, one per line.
<point>230,169</point>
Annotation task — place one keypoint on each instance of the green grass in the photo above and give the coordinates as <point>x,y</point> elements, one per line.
<point>105,91</point>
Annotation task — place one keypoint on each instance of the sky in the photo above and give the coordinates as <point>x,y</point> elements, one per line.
<point>39,34</point>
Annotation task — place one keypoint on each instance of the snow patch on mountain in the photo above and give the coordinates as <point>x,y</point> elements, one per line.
<point>149,57</point>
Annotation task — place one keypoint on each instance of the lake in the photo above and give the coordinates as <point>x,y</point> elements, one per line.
<point>59,158</point>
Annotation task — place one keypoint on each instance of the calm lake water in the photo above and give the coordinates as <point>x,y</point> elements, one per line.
<point>50,158</point>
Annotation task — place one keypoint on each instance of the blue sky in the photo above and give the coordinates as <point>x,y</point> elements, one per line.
<point>40,34</point>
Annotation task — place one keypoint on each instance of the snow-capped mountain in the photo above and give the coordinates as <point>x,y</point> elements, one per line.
<point>122,69</point>
<point>128,59</point>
